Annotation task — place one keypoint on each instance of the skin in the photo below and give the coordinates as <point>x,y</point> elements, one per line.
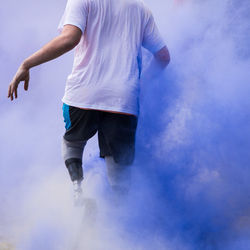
<point>162,57</point>
<point>157,65</point>
<point>66,41</point>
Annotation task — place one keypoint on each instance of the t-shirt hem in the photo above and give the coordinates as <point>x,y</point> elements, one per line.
<point>100,107</point>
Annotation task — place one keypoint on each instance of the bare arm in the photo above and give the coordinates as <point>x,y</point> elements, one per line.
<point>159,62</point>
<point>63,43</point>
<point>162,57</point>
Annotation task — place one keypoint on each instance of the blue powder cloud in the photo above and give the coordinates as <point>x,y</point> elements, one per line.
<point>190,179</point>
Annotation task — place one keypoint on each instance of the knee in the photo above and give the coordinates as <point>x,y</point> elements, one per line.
<point>72,149</point>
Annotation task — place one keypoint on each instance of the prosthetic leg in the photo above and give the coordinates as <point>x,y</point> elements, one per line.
<point>72,154</point>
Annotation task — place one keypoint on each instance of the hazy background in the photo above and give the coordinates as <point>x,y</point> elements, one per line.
<point>190,185</point>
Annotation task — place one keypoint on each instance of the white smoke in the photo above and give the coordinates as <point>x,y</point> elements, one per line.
<point>190,178</point>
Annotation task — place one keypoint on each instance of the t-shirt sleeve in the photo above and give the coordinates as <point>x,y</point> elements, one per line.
<point>152,39</point>
<point>75,14</point>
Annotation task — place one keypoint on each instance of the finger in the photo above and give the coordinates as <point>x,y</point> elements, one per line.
<point>15,91</point>
<point>26,83</point>
<point>13,87</point>
<point>11,93</point>
<point>9,89</point>
<point>11,96</point>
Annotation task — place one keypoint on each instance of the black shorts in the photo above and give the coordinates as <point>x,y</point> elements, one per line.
<point>116,132</point>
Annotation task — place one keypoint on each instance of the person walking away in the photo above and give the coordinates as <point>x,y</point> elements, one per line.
<point>102,91</point>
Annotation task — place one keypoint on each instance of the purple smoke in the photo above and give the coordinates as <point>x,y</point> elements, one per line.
<point>190,180</point>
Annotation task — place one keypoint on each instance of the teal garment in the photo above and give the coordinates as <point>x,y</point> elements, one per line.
<point>66,116</point>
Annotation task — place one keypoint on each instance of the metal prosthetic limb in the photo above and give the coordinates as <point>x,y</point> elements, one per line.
<point>74,166</point>
<point>72,154</point>
<point>119,176</point>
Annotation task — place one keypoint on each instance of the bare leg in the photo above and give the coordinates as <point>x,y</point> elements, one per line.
<point>119,176</point>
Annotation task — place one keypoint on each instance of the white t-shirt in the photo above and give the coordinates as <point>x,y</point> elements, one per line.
<point>107,61</point>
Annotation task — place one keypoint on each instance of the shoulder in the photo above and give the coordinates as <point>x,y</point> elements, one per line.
<point>141,7</point>
<point>79,2</point>
<point>144,9</point>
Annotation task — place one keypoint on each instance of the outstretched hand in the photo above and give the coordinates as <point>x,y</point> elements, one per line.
<point>21,75</point>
